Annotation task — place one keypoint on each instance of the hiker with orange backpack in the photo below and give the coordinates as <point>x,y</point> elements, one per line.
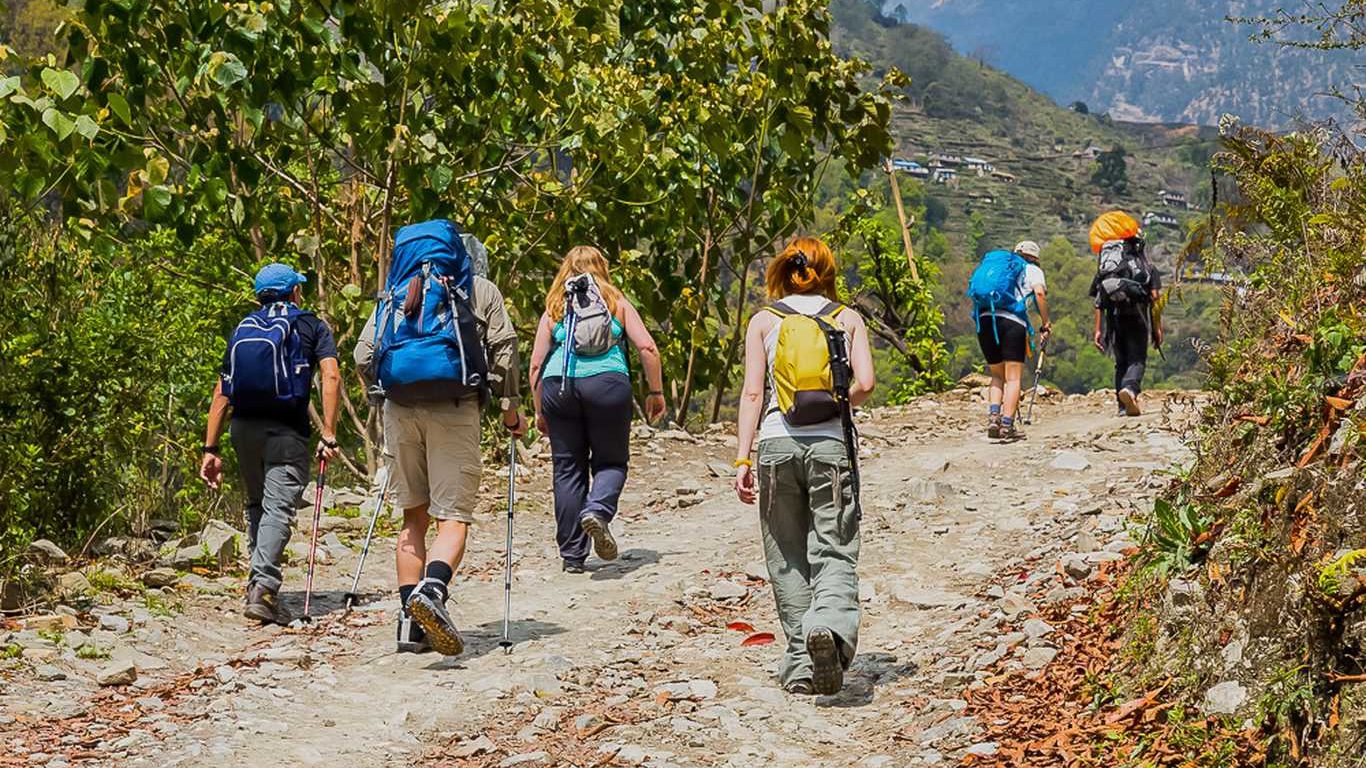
<point>1002,288</point>
<point>265,383</point>
<point>1125,289</point>
<point>815,357</point>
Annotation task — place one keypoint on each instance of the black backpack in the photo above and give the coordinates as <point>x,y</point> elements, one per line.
<point>1123,273</point>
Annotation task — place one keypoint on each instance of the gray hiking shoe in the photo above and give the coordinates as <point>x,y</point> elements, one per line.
<point>827,674</point>
<point>429,611</point>
<point>264,606</point>
<point>597,530</point>
<point>801,687</point>
<point>1128,399</point>
<point>994,426</point>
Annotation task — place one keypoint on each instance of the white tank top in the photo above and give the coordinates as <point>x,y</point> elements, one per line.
<point>774,424</point>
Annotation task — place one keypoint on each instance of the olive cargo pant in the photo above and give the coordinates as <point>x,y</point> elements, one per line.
<point>811,543</point>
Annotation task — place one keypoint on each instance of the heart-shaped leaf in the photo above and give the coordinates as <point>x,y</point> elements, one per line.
<point>58,122</point>
<point>60,81</point>
<point>758,638</point>
<point>226,69</point>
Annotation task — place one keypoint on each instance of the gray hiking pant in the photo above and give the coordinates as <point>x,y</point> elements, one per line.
<point>273,460</point>
<point>811,543</point>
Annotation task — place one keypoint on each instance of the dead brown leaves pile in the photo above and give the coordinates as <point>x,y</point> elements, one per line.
<point>1064,715</point>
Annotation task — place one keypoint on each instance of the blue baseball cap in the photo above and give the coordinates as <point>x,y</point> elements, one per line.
<point>277,277</point>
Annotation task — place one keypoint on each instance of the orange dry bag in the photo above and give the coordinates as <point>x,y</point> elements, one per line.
<point>1115,225</point>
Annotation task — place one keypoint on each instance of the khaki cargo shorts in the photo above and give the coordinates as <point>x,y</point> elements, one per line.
<point>436,457</point>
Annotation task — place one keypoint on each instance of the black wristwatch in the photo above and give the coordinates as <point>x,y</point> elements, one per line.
<point>209,449</point>
<point>330,443</point>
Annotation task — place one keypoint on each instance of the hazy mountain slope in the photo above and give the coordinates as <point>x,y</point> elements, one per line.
<point>1152,60</point>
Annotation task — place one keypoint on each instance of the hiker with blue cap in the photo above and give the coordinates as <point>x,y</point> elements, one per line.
<point>265,384</point>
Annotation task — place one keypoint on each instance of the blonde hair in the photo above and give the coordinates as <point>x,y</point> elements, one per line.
<point>813,273</point>
<point>581,260</point>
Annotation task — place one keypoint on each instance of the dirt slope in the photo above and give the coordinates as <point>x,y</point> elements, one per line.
<point>633,663</point>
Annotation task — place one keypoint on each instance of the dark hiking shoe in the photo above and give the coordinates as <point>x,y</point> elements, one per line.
<point>1012,433</point>
<point>569,567</point>
<point>827,674</point>
<point>411,638</point>
<point>597,530</point>
<point>994,426</point>
<point>264,606</point>
<point>1129,400</point>
<point>429,611</point>
<point>802,687</point>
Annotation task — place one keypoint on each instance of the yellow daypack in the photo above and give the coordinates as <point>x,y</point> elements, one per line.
<point>810,365</point>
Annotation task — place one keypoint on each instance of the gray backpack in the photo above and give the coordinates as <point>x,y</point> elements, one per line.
<point>587,320</point>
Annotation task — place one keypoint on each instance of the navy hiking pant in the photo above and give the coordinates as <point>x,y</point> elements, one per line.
<point>590,442</point>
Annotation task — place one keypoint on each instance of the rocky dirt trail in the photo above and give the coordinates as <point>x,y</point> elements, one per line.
<point>640,661</point>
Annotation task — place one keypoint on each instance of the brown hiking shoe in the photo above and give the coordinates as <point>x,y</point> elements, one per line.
<point>1129,401</point>
<point>264,606</point>
<point>994,426</point>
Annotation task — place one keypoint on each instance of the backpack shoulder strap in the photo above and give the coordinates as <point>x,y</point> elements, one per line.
<point>780,309</point>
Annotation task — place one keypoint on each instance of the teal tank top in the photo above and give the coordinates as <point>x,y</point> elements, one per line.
<point>581,367</point>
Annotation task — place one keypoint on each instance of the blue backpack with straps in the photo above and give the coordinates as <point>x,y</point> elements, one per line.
<point>267,365</point>
<point>427,344</point>
<point>995,284</point>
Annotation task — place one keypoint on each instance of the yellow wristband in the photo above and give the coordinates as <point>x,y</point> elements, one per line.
<point>744,463</point>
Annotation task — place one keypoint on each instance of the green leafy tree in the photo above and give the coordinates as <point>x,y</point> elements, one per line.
<point>1112,172</point>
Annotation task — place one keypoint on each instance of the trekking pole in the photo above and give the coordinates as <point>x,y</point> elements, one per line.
<point>352,598</point>
<point>1034,393</point>
<point>313,540</point>
<point>506,642</point>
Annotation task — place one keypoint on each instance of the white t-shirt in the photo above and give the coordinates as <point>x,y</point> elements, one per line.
<point>775,423</point>
<point>1030,278</point>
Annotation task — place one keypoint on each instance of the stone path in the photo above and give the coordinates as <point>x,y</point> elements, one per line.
<point>634,662</point>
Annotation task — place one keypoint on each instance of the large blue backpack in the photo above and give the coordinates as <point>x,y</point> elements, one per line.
<point>427,344</point>
<point>267,366</point>
<point>994,286</point>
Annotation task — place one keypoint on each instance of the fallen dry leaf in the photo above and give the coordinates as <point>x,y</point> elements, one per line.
<point>758,638</point>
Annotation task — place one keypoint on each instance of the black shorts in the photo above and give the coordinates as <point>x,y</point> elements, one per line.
<point>1014,340</point>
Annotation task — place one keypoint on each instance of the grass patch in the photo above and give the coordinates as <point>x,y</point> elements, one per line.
<point>92,652</point>
<point>159,605</point>
<point>11,651</point>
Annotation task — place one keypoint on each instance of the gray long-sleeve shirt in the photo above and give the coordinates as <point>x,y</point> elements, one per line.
<point>500,343</point>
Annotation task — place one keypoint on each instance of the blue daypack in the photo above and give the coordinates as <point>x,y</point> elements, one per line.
<point>266,361</point>
<point>994,285</point>
<point>427,344</point>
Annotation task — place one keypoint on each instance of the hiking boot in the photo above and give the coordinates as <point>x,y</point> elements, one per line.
<point>597,530</point>
<point>1128,399</point>
<point>570,567</point>
<point>263,605</point>
<point>1012,432</point>
<point>994,426</point>
<point>800,687</point>
<point>827,674</point>
<point>411,638</point>
<point>428,609</point>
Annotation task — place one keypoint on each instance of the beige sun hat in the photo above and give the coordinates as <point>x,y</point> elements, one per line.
<point>1027,248</point>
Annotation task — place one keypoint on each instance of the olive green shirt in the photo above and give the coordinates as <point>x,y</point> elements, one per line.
<point>500,341</point>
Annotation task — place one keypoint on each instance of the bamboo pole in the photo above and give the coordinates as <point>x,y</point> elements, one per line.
<point>901,215</point>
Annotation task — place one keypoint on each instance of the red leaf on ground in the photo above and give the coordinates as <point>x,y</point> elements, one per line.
<point>758,638</point>
<point>740,626</point>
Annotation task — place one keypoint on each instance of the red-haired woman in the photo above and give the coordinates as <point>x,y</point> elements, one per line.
<point>805,487</point>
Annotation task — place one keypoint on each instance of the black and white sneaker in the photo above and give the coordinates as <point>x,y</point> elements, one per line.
<point>597,530</point>
<point>827,671</point>
<point>428,608</point>
<point>411,638</point>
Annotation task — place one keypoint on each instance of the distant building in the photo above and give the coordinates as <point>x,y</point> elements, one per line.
<point>945,161</point>
<point>1008,178</point>
<point>983,198</point>
<point>1161,219</point>
<point>945,175</point>
<point>1173,199</point>
<point>1090,153</point>
<point>912,167</point>
<point>982,167</point>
